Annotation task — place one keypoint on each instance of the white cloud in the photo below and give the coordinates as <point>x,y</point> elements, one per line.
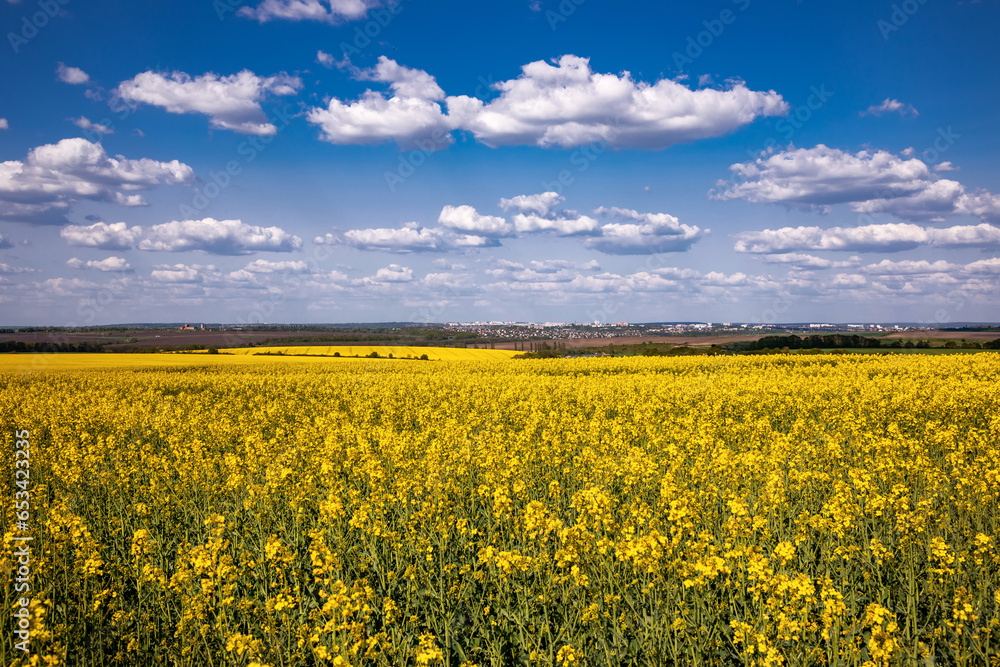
<point>43,187</point>
<point>219,237</point>
<point>325,59</point>
<point>870,182</point>
<point>231,102</point>
<point>909,267</point>
<point>642,233</point>
<point>402,240</point>
<point>7,269</point>
<point>108,264</point>
<point>411,115</point>
<point>84,123</point>
<point>538,214</point>
<point>413,238</point>
<point>809,261</point>
<point>945,166</point>
<point>541,204</point>
<point>448,281</point>
<point>116,236</point>
<point>394,273</point>
<point>4,125</point>
<point>468,220</point>
<point>891,106</point>
<point>565,224</point>
<point>982,205</point>
<point>566,104</point>
<point>554,265</point>
<point>985,266</point>
<point>266,266</point>
<point>890,237</point>
<point>442,263</point>
<point>324,11</point>
<point>65,287</point>
<point>848,280</point>
<point>180,273</point>
<point>72,75</point>
<point>823,176</point>
<point>404,81</point>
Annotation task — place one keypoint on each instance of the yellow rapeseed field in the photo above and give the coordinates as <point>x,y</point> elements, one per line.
<point>269,511</point>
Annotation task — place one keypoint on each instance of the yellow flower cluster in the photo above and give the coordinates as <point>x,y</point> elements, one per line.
<point>265,511</point>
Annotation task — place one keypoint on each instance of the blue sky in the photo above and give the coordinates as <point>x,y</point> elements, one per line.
<point>357,160</point>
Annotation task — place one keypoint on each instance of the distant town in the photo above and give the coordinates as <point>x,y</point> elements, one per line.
<point>566,330</point>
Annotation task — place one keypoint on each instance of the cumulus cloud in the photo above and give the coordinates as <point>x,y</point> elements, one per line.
<point>985,267</point>
<point>72,75</point>
<point>642,233</point>
<point>823,176</point>
<point>468,220</point>
<point>84,123</point>
<point>567,223</point>
<point>7,269</point>
<point>394,273</point>
<point>230,102</point>
<point>116,236</point>
<point>981,204</point>
<point>323,11</point>
<point>219,237</point>
<point>871,182</point>
<point>267,266</point>
<point>945,166</point>
<point>890,105</point>
<point>890,237</point>
<point>5,242</point>
<point>325,59</point>
<point>549,265</point>
<point>909,267</point>
<point>108,264</point>
<point>259,271</point>
<point>412,114</point>
<point>538,213</point>
<point>413,238</point>
<point>4,125</point>
<point>541,204</point>
<point>180,273</point>
<point>805,261</point>
<point>52,177</point>
<point>565,104</point>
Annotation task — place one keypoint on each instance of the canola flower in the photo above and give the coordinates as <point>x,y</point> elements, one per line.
<point>266,511</point>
